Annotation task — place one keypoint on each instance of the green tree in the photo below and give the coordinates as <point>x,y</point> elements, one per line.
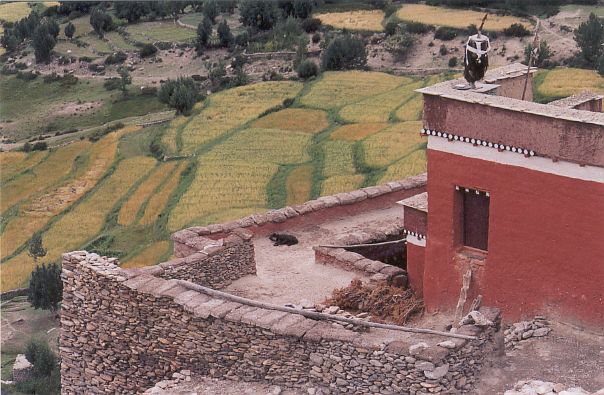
<point>46,287</point>
<point>210,10</point>
<point>600,65</point>
<point>590,37</point>
<point>132,11</point>
<point>125,79</point>
<point>260,14</point>
<point>302,8</point>
<point>224,34</point>
<point>543,55</point>
<point>180,94</point>
<point>307,69</point>
<point>69,30</point>
<point>344,53</point>
<point>43,43</point>
<point>39,354</point>
<point>9,41</point>
<point>204,31</point>
<point>35,249</point>
<point>100,21</point>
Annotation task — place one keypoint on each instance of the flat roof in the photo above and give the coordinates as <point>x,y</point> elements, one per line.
<point>418,202</point>
<point>576,100</point>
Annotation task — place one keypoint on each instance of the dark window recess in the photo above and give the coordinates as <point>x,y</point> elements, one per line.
<point>475,219</point>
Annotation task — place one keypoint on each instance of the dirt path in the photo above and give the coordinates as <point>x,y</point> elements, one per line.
<point>289,274</point>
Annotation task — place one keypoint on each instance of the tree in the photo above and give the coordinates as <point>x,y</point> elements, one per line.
<point>590,37</point>
<point>132,11</point>
<point>302,8</point>
<point>307,69</point>
<point>9,40</point>
<point>39,354</point>
<point>301,52</point>
<point>344,53</point>
<point>46,287</point>
<point>125,79</point>
<point>35,248</point>
<point>43,43</point>
<point>543,56</point>
<point>179,94</point>
<point>600,65</point>
<point>69,30</point>
<point>100,21</point>
<point>224,33</point>
<point>260,14</point>
<point>204,31</point>
<point>210,10</point>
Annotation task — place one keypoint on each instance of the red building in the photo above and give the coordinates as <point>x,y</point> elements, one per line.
<point>516,195</point>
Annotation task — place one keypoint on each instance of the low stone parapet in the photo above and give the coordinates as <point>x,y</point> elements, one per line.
<point>23,370</point>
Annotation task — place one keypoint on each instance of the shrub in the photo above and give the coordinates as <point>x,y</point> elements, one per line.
<point>147,50</point>
<point>418,28</point>
<point>46,287</point>
<point>112,83</point>
<point>116,57</point>
<point>344,53</point>
<point>100,21</point>
<point>97,135</point>
<point>242,39</point>
<point>260,14</point>
<point>204,31</point>
<point>26,75</point>
<point>316,38</point>
<point>399,45</point>
<point>443,50</point>
<point>310,25</point>
<point>590,37</point>
<point>224,34</point>
<point>43,41</point>
<point>391,27</point>
<point>302,9</point>
<point>40,146</point>
<point>307,69</point>
<point>179,94</point>
<point>20,65</point>
<point>516,30</point>
<point>85,59</point>
<point>239,79</point>
<point>96,68</point>
<point>445,33</point>
<point>164,45</point>
<point>543,55</point>
<point>39,354</point>
<point>69,30</point>
<point>148,91</point>
<point>453,61</point>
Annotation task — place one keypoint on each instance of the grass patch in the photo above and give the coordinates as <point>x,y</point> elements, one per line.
<point>365,20</point>
<point>151,32</point>
<point>298,119</point>
<point>149,255</point>
<point>562,82</point>
<point>392,143</point>
<point>298,185</point>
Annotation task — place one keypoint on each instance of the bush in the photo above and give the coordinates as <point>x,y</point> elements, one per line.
<point>418,28</point>
<point>310,25</point>
<point>100,21</point>
<point>148,91</point>
<point>204,32</point>
<point>307,69</point>
<point>20,65</point>
<point>445,33</point>
<point>391,27</point>
<point>147,50</point>
<point>316,38</point>
<point>45,287</point>
<point>224,34</point>
<point>344,53</point>
<point>39,354</point>
<point>179,94</point>
<point>96,68</point>
<point>163,45</point>
<point>96,136</point>
<point>69,30</point>
<point>443,50</point>
<point>112,83</point>
<point>542,59</point>
<point>242,39</point>
<point>26,75</point>
<point>399,45</point>
<point>516,30</point>
<point>453,61</point>
<point>85,59</point>
<point>117,57</point>
<point>40,146</point>
<point>259,14</point>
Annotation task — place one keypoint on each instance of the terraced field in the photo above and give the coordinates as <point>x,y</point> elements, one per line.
<point>242,151</point>
<point>12,12</point>
<point>558,83</point>
<point>366,20</point>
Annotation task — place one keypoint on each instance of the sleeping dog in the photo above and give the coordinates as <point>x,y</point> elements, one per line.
<point>283,238</point>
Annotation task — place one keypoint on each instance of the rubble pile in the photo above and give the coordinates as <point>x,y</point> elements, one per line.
<point>537,387</point>
<point>524,330</point>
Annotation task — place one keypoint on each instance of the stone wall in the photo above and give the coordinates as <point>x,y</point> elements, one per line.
<point>123,331</point>
<point>209,262</point>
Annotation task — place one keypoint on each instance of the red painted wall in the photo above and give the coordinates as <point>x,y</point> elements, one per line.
<point>415,268</point>
<point>546,241</point>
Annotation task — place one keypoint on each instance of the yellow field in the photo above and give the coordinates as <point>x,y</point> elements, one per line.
<point>149,255</point>
<point>263,145</point>
<point>299,119</point>
<point>299,185</point>
<point>461,19</point>
<point>158,201</point>
<point>58,165</point>
<point>221,186</point>
<point>412,110</point>
<point>78,226</point>
<point>337,184</point>
<point>338,158</point>
<point>566,82</point>
<point>169,137</point>
<point>370,20</point>
<point>13,162</point>
<point>336,89</point>
<point>234,107</point>
<point>12,12</point>
<point>392,143</point>
<point>413,164</point>
<point>33,215</point>
<point>357,131</point>
<point>158,176</point>
<point>378,108</point>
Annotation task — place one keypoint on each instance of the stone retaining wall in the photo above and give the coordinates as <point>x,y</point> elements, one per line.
<point>123,331</point>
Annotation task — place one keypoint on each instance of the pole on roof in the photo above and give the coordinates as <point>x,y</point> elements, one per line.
<point>534,51</point>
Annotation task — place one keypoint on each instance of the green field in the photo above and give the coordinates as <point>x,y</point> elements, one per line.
<point>243,150</point>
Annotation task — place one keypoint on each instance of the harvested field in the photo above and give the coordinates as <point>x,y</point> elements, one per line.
<point>337,184</point>
<point>336,89</point>
<point>222,185</point>
<point>299,119</point>
<point>157,177</point>
<point>231,108</point>
<point>263,145</point>
<point>12,12</point>
<point>394,142</point>
<point>149,255</point>
<point>299,185</point>
<point>357,131</point>
<point>158,201</point>
<point>13,163</point>
<point>368,20</point>
<point>457,18</point>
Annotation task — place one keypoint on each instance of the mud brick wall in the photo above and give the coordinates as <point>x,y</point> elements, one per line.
<point>124,331</point>
<point>208,262</point>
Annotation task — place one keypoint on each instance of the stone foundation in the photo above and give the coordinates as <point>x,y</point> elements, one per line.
<point>123,331</point>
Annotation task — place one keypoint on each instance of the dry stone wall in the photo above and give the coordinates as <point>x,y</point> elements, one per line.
<point>123,331</point>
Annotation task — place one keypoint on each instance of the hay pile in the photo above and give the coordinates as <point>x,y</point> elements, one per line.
<point>385,303</point>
